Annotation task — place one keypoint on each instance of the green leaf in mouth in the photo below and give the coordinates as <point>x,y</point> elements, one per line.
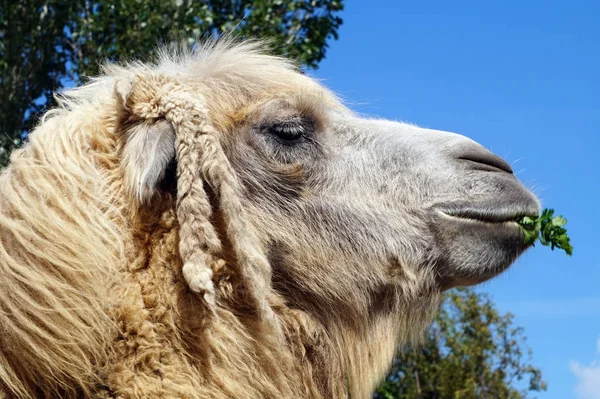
<point>548,229</point>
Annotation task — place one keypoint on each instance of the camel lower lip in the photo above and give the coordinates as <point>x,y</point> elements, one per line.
<point>486,216</point>
<point>481,220</point>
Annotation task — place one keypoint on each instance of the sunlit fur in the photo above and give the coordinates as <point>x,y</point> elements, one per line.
<point>93,300</point>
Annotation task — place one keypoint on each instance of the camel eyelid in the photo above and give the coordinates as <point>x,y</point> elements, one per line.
<point>290,130</point>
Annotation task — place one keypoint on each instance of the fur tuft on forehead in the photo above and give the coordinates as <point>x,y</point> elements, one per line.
<point>231,76</point>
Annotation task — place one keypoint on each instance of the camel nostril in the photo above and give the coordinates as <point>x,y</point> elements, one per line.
<point>487,161</point>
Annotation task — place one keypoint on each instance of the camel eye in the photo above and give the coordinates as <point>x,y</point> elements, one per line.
<point>290,131</point>
<point>287,132</point>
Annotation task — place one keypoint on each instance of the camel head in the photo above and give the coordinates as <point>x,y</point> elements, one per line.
<point>345,209</point>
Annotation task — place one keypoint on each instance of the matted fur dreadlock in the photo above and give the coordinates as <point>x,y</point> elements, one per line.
<point>200,158</point>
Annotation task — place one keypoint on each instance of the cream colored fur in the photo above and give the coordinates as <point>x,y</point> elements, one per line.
<point>112,287</point>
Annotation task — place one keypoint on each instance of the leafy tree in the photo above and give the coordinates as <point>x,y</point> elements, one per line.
<point>470,352</point>
<point>45,44</point>
<point>32,62</point>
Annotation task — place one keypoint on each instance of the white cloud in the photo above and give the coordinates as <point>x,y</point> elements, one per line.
<point>588,378</point>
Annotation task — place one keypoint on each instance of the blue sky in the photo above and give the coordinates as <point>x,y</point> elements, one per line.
<point>522,78</point>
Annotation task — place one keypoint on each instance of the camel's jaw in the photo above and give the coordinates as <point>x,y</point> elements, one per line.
<point>477,241</point>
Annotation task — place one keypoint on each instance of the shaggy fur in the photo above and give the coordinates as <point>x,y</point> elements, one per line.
<point>141,257</point>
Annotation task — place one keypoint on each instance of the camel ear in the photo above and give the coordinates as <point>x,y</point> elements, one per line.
<point>149,142</point>
<point>149,149</point>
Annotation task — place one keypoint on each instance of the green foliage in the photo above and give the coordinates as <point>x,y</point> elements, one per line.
<point>548,229</point>
<point>130,28</point>
<point>46,44</point>
<point>471,352</point>
<point>32,61</point>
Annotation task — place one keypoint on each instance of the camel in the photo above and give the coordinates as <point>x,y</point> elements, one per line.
<point>217,224</point>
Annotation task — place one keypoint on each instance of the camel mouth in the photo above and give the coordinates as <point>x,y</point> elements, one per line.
<point>495,212</point>
<point>487,216</point>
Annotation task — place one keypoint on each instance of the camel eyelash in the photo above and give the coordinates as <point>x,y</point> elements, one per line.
<point>290,131</point>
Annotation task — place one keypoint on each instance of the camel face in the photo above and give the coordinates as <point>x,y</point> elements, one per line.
<point>373,203</point>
